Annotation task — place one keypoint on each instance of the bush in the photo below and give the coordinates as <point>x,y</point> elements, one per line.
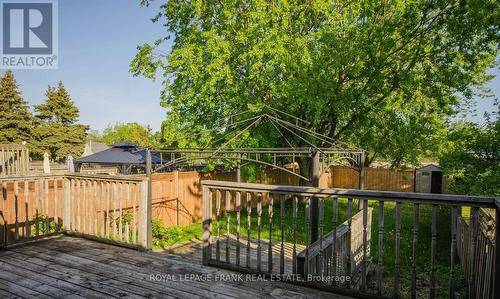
<point>168,236</point>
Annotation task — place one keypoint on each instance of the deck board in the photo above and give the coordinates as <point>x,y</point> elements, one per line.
<point>70,267</point>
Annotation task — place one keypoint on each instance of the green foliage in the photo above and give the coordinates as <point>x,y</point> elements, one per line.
<point>42,224</point>
<point>167,236</point>
<point>131,132</point>
<point>16,121</point>
<point>471,158</point>
<point>57,130</point>
<point>382,75</point>
<point>94,135</point>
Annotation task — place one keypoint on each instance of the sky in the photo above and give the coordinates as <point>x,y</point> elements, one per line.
<point>97,41</point>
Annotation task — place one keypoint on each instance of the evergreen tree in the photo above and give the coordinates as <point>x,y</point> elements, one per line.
<point>58,131</point>
<point>15,117</point>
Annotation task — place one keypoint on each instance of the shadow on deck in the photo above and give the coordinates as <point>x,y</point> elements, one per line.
<point>69,267</point>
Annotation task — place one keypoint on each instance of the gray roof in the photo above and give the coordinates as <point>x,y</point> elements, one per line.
<point>121,153</point>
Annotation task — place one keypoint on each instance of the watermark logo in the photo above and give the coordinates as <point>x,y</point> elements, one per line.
<point>29,34</point>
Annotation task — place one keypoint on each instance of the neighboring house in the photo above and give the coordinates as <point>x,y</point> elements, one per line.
<point>93,148</point>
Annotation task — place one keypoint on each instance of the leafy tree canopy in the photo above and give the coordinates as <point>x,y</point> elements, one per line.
<point>383,75</point>
<point>131,132</point>
<point>15,118</point>
<point>471,158</point>
<point>57,130</point>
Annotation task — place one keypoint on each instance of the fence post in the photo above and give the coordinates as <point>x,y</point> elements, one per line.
<point>66,204</point>
<point>315,172</point>
<point>145,234</point>
<point>207,224</point>
<point>361,182</point>
<point>149,200</point>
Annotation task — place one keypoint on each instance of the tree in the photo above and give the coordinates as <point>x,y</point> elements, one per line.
<point>131,132</point>
<point>382,75</point>
<point>471,159</point>
<point>15,117</point>
<point>58,131</point>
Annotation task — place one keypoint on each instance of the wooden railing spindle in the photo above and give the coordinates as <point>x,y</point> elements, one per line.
<point>473,249</point>
<point>217,218</point>
<point>433,252</point>
<point>380,247</point>
<point>397,253</point>
<point>334,271</point>
<point>259,245</point>
<point>454,215</point>
<point>321,262</point>
<point>228,223</point>
<point>135,194</point>
<point>294,225</point>
<point>96,209</point>
<point>120,211</point>
<point>270,249</point>
<point>238,226</point>
<point>27,226</point>
<point>107,215</point>
<point>308,238</point>
<point>16,208</point>
<point>365,245</point>
<point>282,229</point>
<point>348,247</point>
<point>114,196</point>
<point>47,211</point>
<point>249,221</point>
<point>84,205</point>
<point>37,207</point>
<point>56,205</point>
<point>416,216</point>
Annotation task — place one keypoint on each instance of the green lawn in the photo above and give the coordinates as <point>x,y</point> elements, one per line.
<point>424,240</point>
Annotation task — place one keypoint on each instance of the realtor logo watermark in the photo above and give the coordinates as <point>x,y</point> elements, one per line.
<point>29,34</point>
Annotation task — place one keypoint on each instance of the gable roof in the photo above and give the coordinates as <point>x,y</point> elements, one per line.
<point>429,167</point>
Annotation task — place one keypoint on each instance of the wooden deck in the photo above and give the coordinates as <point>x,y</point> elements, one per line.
<point>70,267</point>
<point>193,251</point>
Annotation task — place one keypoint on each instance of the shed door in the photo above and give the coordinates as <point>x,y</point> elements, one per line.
<point>436,182</point>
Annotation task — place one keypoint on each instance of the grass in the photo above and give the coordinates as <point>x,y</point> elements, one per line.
<point>423,245</point>
<point>168,236</point>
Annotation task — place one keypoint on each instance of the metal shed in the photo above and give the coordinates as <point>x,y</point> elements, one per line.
<point>429,179</point>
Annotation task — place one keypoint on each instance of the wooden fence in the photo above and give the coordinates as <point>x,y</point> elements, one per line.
<point>475,248</point>
<point>14,160</point>
<point>382,179</point>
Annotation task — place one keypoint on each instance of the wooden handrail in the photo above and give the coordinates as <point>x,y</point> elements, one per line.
<point>428,198</point>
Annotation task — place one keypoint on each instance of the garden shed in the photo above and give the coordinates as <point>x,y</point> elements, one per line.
<point>429,179</point>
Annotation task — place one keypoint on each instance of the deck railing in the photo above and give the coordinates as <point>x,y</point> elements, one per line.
<point>111,208</point>
<point>319,255</point>
<point>232,234</point>
<point>14,160</point>
<point>481,270</point>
